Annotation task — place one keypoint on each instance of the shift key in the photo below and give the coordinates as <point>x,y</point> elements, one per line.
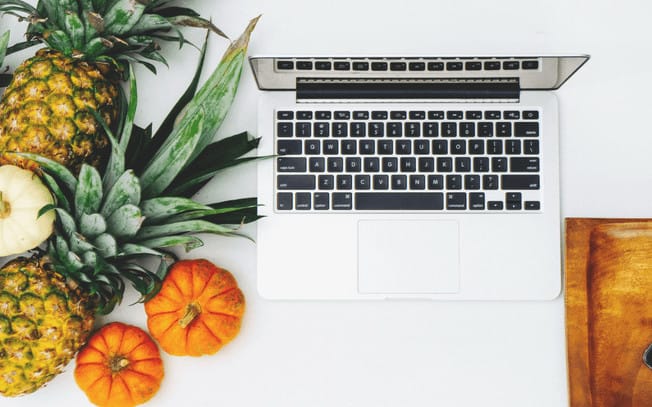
<point>300,182</point>
<point>516,182</point>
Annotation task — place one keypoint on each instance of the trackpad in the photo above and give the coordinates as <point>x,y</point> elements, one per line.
<point>408,257</point>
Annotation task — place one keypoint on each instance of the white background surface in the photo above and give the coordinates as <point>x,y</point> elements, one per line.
<point>411,353</point>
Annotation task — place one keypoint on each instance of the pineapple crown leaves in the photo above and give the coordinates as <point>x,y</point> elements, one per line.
<point>106,30</point>
<point>108,222</point>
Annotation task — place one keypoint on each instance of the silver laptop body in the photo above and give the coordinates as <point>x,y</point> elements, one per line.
<point>434,178</point>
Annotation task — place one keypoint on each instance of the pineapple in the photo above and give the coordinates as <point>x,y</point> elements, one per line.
<point>108,221</point>
<point>45,108</point>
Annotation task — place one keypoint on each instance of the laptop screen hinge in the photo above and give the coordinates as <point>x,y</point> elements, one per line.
<point>405,89</point>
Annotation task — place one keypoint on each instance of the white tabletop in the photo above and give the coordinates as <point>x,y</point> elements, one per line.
<point>410,353</point>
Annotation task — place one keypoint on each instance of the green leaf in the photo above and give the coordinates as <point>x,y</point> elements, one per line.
<point>92,225</point>
<point>28,8</point>
<point>131,249</point>
<point>97,46</point>
<point>22,45</point>
<point>176,11</point>
<point>194,21</point>
<point>45,209</point>
<point>79,244</point>
<point>188,242</point>
<point>4,41</point>
<point>206,213</point>
<point>126,190</point>
<point>194,226</point>
<point>88,195</point>
<point>106,245</point>
<point>125,222</point>
<point>59,40</point>
<point>75,29</point>
<point>140,138</point>
<point>66,222</point>
<point>157,209</point>
<point>55,169</point>
<point>150,22</point>
<point>128,126</point>
<point>61,198</point>
<point>117,160</point>
<point>123,16</point>
<point>173,156</point>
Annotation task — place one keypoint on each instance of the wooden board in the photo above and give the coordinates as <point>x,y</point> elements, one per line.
<point>608,311</point>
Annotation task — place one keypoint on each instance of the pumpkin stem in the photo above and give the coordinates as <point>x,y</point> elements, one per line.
<point>5,208</point>
<point>117,363</point>
<point>190,313</point>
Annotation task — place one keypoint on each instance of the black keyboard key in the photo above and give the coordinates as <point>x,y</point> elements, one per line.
<point>303,129</point>
<point>288,147</point>
<point>476,147</point>
<point>342,66</point>
<point>358,129</point>
<point>285,115</point>
<point>335,164</point>
<point>456,201</point>
<point>330,147</point>
<point>360,115</point>
<point>342,115</point>
<point>494,147</point>
<point>291,164</point>
<point>323,115</point>
<point>430,129</point>
<point>342,201</point>
<point>394,129</point>
<point>399,201</point>
<point>361,66</point>
<point>492,115</point>
<point>510,65</point>
<point>485,129</point>
<point>412,129</point>
<point>472,181</point>
<point>304,65</point>
<point>284,129</point>
<point>381,182</point>
<point>454,115</point>
<point>418,115</point>
<point>348,147</point>
<point>513,147</point>
<point>390,164</point>
<point>417,182</point>
<point>303,201</point>
<point>284,65</point>
<point>513,182</point>
<point>519,164</point>
<point>317,164</point>
<point>362,182</point>
<point>284,201</point>
<point>379,66</point>
<point>421,147</point>
<point>530,114</point>
<point>435,66</point>
<point>371,164</point>
<point>458,147</point>
<point>367,147</point>
<point>489,182</point>
<point>340,129</point>
<point>323,65</point>
<point>462,164</point>
<point>492,66</point>
<point>435,182</point>
<point>467,129</point>
<point>481,164</point>
<point>379,115</point>
<point>408,164</point>
<point>530,64</point>
<point>344,182</point>
<point>476,201</point>
<point>530,146</point>
<point>513,200</point>
<point>295,182</point>
<point>376,129</point>
<point>398,115</point>
<point>353,164</point>
<point>474,115</point>
<point>503,129</point>
<point>426,164</point>
<point>436,115</point>
<point>417,66</point>
<point>326,182</point>
<point>385,147</point>
<point>512,114</point>
<point>444,164</point>
<point>449,129</point>
<point>321,129</point>
<point>403,147</point>
<point>454,66</point>
<point>304,115</point>
<point>453,182</point>
<point>473,66</point>
<point>312,147</point>
<point>398,66</point>
<point>399,182</point>
<point>532,205</point>
<point>321,200</point>
<point>526,129</point>
<point>495,205</point>
<point>499,164</point>
<point>440,147</point>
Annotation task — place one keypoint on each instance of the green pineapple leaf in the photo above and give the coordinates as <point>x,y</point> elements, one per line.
<point>88,195</point>
<point>189,242</point>
<point>158,209</point>
<point>4,42</point>
<point>125,222</point>
<point>126,190</point>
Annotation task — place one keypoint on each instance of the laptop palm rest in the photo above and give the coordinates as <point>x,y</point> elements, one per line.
<point>408,257</point>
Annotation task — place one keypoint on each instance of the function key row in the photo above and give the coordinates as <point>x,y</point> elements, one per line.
<point>412,115</point>
<point>402,66</point>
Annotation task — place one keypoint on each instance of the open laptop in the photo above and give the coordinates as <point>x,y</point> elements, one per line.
<point>420,177</point>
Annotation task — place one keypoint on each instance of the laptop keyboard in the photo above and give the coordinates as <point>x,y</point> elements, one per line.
<point>408,160</point>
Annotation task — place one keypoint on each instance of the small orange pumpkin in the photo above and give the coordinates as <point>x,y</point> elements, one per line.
<point>119,367</point>
<point>198,309</point>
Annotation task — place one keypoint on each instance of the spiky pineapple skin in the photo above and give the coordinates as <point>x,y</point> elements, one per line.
<point>43,323</point>
<point>44,110</point>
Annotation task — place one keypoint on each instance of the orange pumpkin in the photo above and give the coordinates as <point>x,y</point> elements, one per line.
<point>198,309</point>
<point>120,366</point>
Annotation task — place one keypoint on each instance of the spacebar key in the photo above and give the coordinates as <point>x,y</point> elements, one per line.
<point>399,201</point>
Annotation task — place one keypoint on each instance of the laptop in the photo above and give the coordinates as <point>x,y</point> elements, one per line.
<point>410,177</point>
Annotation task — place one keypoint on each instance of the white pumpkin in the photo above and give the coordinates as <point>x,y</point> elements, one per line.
<point>22,195</point>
